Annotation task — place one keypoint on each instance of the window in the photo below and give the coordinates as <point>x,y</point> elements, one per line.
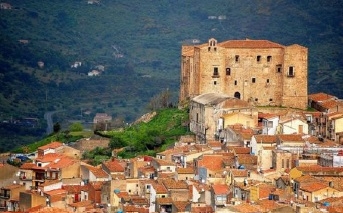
<point>253,80</point>
<point>283,163</point>
<point>215,71</point>
<point>228,71</point>
<point>267,80</point>
<point>279,68</point>
<point>270,99</point>
<point>256,99</point>
<point>291,71</point>
<point>269,58</point>
<point>235,82</point>
<point>258,58</point>
<point>236,58</point>
<point>287,164</point>
<point>215,82</point>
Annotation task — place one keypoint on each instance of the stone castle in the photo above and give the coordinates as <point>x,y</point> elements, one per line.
<point>261,72</point>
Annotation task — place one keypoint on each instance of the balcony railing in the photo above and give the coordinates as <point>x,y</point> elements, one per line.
<point>4,196</point>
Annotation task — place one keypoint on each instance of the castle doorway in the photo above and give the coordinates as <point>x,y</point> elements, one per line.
<point>237,95</point>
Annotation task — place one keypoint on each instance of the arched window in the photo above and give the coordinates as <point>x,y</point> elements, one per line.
<point>237,95</point>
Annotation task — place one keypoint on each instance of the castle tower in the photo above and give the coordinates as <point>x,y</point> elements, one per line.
<point>258,71</point>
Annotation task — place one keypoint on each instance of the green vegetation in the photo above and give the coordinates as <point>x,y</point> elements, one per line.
<point>64,137</point>
<point>138,43</point>
<point>145,138</point>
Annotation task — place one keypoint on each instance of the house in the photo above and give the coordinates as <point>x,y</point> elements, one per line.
<point>269,123</point>
<point>26,174</point>
<point>157,192</point>
<point>9,196</point>
<point>316,191</point>
<point>331,160</point>
<point>220,195</point>
<point>236,135</point>
<point>209,167</point>
<point>8,174</point>
<point>207,111</point>
<point>53,147</point>
<point>30,199</point>
<point>258,142</point>
<point>5,6</point>
<point>295,125</point>
<point>201,192</point>
<point>102,118</point>
<point>260,191</point>
<point>91,174</point>
<point>94,73</point>
<point>335,127</point>
<point>184,173</point>
<point>114,167</point>
<point>282,160</point>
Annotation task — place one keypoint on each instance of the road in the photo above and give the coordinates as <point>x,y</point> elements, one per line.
<point>48,118</point>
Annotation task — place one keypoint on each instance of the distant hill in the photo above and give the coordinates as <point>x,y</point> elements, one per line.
<point>138,45</point>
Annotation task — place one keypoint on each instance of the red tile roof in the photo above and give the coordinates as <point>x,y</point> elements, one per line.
<point>211,162</point>
<point>265,138</point>
<point>313,187</point>
<point>320,96</point>
<point>114,166</point>
<point>249,44</point>
<point>52,145</point>
<point>220,189</point>
<point>173,184</point>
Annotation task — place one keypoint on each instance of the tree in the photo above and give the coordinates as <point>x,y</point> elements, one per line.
<point>57,127</point>
<point>117,142</point>
<point>76,127</point>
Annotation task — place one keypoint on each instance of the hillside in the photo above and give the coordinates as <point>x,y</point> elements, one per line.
<point>138,44</point>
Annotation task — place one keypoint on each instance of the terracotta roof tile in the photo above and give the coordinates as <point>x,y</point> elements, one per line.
<point>220,189</point>
<point>320,96</point>
<point>27,166</point>
<point>201,209</point>
<point>312,187</point>
<point>187,170</point>
<point>181,205</point>
<point>52,145</point>
<point>98,172</point>
<point>241,150</point>
<point>265,138</point>
<point>249,44</point>
<point>211,162</point>
<point>114,166</point>
<point>291,138</point>
<point>173,184</point>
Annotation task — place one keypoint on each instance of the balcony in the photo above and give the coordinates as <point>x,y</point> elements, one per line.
<point>215,76</point>
<point>4,195</point>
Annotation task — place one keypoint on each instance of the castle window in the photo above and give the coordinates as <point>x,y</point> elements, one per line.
<point>269,58</point>
<point>267,80</point>
<point>215,82</point>
<point>270,99</point>
<point>236,58</point>
<point>290,71</point>
<point>279,68</point>
<point>256,99</point>
<point>235,82</point>
<point>228,71</point>
<point>209,48</point>
<point>215,49</point>
<point>253,80</point>
<point>215,72</point>
<point>258,58</point>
